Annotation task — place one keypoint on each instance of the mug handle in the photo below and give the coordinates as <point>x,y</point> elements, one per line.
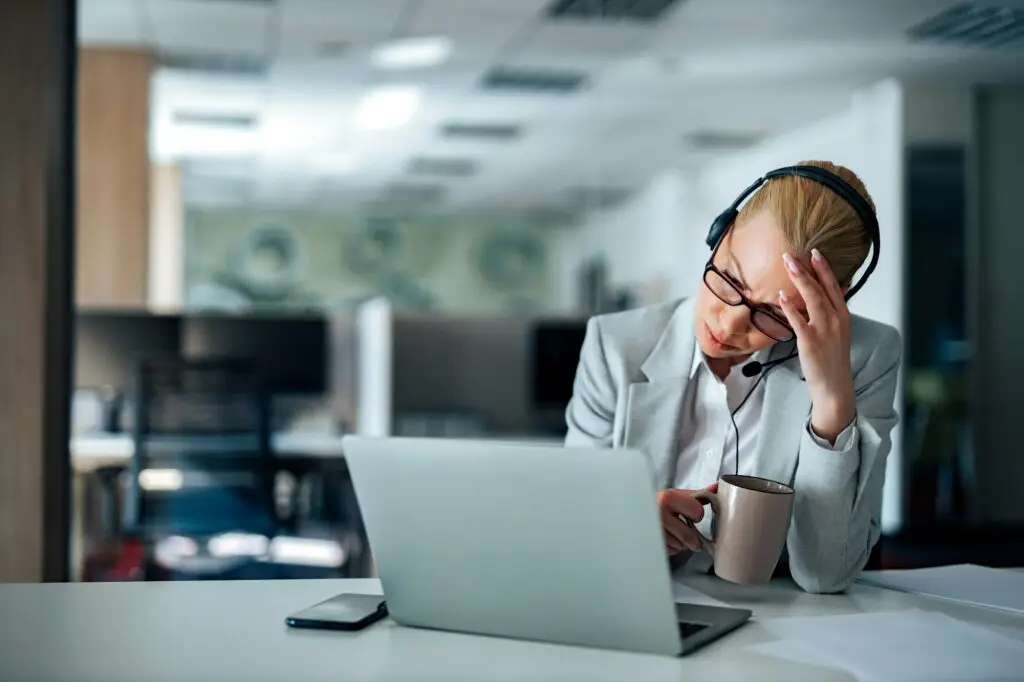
<point>704,497</point>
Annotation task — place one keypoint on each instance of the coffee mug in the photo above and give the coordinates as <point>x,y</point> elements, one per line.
<point>751,522</point>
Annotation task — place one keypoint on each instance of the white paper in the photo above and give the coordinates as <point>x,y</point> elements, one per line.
<point>979,585</point>
<point>905,646</point>
<point>684,594</point>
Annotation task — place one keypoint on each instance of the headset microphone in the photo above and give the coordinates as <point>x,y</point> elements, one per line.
<point>752,369</point>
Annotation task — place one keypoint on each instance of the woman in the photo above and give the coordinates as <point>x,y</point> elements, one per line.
<point>814,408</point>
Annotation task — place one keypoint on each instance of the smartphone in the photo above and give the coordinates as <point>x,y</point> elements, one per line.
<point>341,612</point>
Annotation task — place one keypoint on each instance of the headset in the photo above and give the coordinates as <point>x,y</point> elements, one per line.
<point>720,226</point>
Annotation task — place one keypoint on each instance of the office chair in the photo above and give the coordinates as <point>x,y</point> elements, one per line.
<point>202,465</point>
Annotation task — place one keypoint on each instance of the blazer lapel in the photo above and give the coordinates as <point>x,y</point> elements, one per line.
<point>653,407</point>
<point>787,405</point>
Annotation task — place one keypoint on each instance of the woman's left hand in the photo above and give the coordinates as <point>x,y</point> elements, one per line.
<point>823,343</point>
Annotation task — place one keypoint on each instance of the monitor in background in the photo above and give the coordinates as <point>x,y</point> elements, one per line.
<point>555,353</point>
<point>290,351</point>
<point>108,344</point>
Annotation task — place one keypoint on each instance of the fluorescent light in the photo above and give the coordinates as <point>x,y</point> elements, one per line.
<point>307,552</point>
<point>238,544</point>
<point>412,53</point>
<point>388,107</point>
<point>160,479</point>
<point>171,550</point>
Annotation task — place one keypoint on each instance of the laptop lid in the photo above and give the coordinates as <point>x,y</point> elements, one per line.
<point>517,540</point>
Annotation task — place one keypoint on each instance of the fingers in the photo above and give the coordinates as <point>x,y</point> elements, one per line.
<point>828,280</point>
<point>672,545</point>
<point>796,319</point>
<point>819,306</point>
<point>681,503</point>
<point>674,504</point>
<point>677,534</point>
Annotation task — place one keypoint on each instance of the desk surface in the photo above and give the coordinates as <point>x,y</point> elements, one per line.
<point>220,631</point>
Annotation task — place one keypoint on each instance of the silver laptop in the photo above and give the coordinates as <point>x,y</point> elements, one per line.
<point>524,541</point>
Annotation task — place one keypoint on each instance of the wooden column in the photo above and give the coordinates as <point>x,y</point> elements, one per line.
<point>113,177</point>
<point>37,51</point>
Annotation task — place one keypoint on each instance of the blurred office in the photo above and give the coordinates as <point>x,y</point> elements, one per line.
<point>297,219</point>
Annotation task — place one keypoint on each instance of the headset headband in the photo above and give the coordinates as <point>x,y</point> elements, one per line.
<point>824,177</point>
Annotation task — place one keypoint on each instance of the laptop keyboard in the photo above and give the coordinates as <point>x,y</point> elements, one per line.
<point>687,629</point>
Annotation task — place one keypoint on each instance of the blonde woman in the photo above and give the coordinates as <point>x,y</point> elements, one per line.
<point>763,372</point>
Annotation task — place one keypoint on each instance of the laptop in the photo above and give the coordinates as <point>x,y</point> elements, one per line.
<point>525,541</point>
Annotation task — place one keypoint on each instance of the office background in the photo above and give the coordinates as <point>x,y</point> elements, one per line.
<point>404,212</point>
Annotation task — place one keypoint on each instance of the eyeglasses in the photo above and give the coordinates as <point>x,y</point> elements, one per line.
<point>766,322</point>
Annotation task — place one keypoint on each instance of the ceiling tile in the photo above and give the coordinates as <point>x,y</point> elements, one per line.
<point>582,44</point>
<point>335,27</point>
<point>110,22</point>
<point>211,26</point>
<point>490,24</point>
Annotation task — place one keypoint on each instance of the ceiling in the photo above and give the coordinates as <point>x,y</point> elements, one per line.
<point>704,77</point>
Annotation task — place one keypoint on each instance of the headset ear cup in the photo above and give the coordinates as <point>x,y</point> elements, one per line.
<point>720,225</point>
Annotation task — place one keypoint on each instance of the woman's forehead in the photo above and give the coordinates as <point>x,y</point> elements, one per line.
<point>755,251</point>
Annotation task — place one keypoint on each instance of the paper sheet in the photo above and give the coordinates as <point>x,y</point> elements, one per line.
<point>905,646</point>
<point>967,583</point>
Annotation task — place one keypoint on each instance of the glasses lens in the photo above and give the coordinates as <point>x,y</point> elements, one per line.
<point>722,288</point>
<point>770,326</point>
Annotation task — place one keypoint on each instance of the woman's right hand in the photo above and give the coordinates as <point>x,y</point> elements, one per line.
<point>673,503</point>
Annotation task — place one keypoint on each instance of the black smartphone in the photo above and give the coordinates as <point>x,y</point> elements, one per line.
<point>341,612</point>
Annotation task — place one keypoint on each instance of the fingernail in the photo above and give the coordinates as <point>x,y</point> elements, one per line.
<point>790,263</point>
<point>816,255</point>
<point>782,297</point>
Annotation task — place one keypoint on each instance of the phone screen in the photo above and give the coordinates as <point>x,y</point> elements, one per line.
<point>341,609</point>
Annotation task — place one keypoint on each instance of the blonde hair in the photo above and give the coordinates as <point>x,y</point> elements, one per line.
<point>812,216</point>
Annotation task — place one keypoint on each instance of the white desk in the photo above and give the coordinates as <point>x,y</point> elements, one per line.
<point>216,632</point>
<point>90,451</point>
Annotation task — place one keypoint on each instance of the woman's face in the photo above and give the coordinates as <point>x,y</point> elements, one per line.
<point>750,256</point>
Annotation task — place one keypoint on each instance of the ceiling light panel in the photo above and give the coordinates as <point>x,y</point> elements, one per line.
<point>533,80</point>
<point>412,53</point>
<point>443,166</point>
<point>611,10</point>
<point>213,64</point>
<point>974,25</point>
<point>413,193</point>
<point>488,132</point>
<point>721,140</point>
<point>222,120</point>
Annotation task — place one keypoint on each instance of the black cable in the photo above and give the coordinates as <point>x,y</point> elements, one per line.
<point>732,418</point>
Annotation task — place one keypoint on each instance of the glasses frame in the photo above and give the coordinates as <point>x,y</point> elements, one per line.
<point>743,300</point>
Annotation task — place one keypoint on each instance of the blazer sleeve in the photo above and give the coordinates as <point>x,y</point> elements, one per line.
<point>837,509</point>
<point>590,416</point>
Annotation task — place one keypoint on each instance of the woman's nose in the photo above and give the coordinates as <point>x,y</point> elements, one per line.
<point>735,320</point>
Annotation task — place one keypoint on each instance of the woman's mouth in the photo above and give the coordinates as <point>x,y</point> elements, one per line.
<point>717,341</point>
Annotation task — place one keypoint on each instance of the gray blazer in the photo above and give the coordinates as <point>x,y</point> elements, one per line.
<point>628,393</point>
